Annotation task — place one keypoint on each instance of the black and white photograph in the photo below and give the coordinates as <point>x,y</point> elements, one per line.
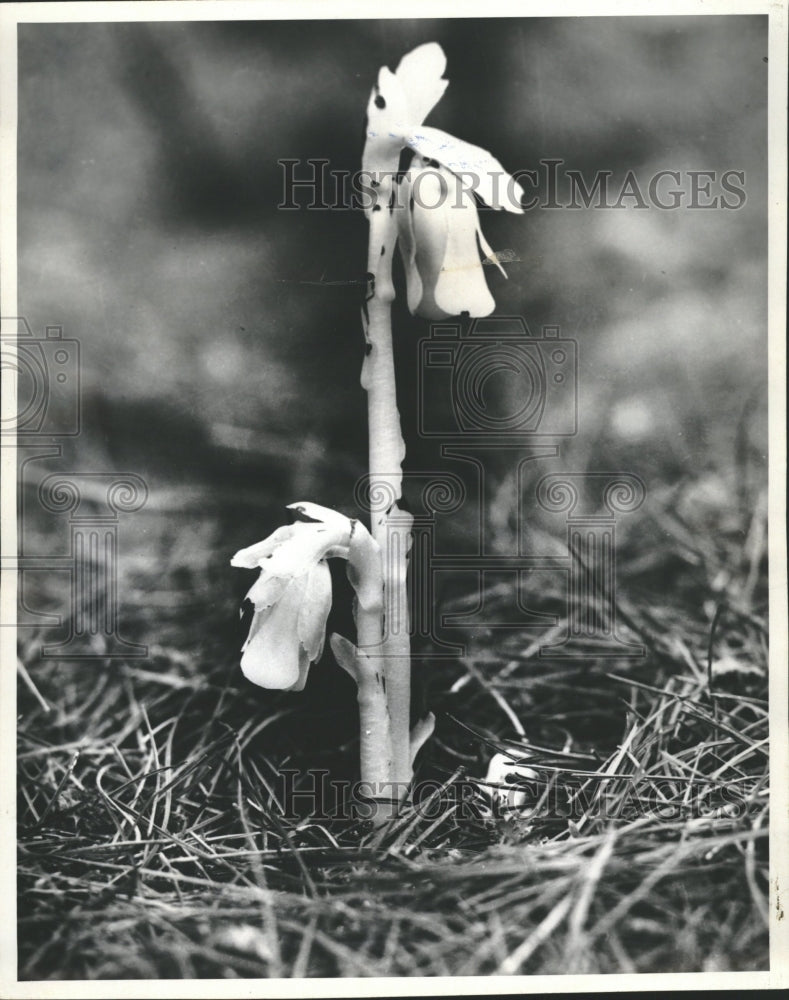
<point>394,561</point>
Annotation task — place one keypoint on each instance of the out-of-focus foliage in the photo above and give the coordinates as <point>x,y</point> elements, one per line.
<point>149,227</point>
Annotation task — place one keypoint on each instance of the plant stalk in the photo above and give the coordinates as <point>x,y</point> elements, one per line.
<point>390,525</point>
<point>375,742</point>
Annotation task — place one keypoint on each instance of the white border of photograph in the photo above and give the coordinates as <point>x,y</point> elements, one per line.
<point>12,14</point>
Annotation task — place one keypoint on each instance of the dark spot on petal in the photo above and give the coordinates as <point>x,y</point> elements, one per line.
<point>383,250</point>
<point>411,203</point>
<point>368,350</point>
<point>375,184</point>
<point>380,102</point>
<point>406,155</point>
<point>376,208</point>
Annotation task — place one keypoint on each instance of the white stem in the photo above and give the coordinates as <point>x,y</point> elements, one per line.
<point>375,740</point>
<point>390,525</point>
<point>375,746</point>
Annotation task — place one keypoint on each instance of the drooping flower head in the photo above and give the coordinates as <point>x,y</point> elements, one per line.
<point>440,243</point>
<point>440,238</point>
<point>292,595</point>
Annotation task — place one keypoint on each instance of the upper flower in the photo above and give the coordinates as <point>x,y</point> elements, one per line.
<point>438,235</point>
<point>440,242</point>
<point>292,595</point>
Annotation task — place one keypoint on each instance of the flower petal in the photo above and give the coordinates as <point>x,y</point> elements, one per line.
<point>387,121</point>
<point>304,669</point>
<point>442,249</point>
<point>258,620</point>
<point>471,163</point>
<point>430,221</point>
<point>461,284</point>
<point>272,651</point>
<point>419,73</point>
<point>488,253</point>
<point>325,515</point>
<point>266,590</point>
<point>308,543</point>
<point>398,103</point>
<point>314,611</point>
<point>407,245</point>
<point>252,557</point>
<point>388,109</point>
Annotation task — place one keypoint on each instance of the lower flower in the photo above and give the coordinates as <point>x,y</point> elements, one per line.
<point>291,597</point>
<point>288,628</point>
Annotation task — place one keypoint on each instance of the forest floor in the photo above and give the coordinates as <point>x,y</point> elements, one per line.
<point>167,821</point>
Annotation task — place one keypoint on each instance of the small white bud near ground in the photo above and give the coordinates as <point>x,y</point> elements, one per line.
<point>502,782</point>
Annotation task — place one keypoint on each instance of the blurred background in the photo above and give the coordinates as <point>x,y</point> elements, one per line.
<point>220,336</point>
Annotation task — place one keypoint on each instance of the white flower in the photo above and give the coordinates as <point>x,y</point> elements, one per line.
<point>439,229</point>
<point>292,596</point>
<point>440,241</point>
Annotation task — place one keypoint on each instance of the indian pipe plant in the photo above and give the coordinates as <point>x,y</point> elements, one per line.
<point>429,211</point>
